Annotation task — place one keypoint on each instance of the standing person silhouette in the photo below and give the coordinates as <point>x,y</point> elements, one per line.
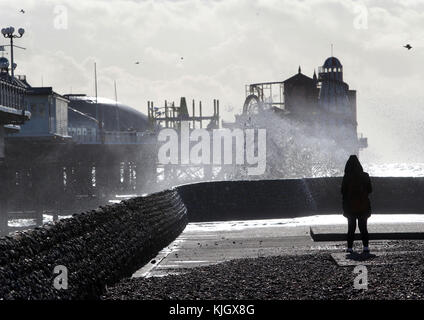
<point>356,187</point>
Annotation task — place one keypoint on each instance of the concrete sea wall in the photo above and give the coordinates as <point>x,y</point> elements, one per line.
<point>256,199</point>
<point>98,248</point>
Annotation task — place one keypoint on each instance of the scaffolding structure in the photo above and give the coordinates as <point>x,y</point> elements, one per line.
<point>263,96</point>
<point>171,115</point>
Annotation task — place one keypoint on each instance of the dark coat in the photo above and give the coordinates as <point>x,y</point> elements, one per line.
<point>347,209</point>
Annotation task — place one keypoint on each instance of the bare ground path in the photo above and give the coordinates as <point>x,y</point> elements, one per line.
<point>278,259</point>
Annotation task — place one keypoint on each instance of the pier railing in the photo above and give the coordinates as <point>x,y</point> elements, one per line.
<point>110,137</point>
<point>12,95</point>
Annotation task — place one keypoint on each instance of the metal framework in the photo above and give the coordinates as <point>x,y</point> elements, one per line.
<point>263,96</point>
<point>171,116</point>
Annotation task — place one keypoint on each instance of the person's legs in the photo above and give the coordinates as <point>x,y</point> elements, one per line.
<point>351,227</point>
<point>362,223</point>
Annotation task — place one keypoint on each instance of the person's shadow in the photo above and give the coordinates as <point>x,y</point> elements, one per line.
<point>363,256</point>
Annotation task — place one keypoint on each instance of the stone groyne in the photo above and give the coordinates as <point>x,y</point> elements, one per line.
<point>97,248</point>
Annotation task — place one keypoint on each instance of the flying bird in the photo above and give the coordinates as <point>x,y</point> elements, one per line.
<point>408,46</point>
<point>137,62</point>
<point>182,58</point>
<point>22,10</point>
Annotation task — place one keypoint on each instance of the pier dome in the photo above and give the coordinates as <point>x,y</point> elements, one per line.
<point>332,62</point>
<point>332,70</point>
<point>116,116</point>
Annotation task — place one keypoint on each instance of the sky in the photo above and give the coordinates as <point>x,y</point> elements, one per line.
<point>228,44</point>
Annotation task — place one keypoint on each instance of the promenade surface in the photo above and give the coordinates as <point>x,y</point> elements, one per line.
<point>214,242</point>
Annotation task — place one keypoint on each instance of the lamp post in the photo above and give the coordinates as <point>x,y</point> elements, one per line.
<point>9,33</point>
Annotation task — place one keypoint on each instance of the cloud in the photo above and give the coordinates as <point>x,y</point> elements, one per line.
<point>227,44</point>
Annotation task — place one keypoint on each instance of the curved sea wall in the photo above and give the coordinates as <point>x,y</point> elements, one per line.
<point>97,248</point>
<point>262,199</point>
